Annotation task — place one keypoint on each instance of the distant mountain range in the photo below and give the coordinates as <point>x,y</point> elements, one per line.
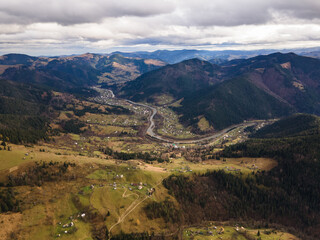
<point>266,86</point>
<point>217,57</point>
<point>176,56</point>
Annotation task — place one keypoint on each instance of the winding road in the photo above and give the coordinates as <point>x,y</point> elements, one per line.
<point>152,134</point>
<point>154,111</point>
<point>150,130</point>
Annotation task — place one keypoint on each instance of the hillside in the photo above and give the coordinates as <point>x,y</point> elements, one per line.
<point>231,102</point>
<point>271,196</point>
<point>13,59</point>
<point>23,112</point>
<point>293,126</point>
<point>288,77</point>
<point>262,87</point>
<point>290,139</point>
<point>66,73</point>
<point>177,80</point>
<point>117,69</point>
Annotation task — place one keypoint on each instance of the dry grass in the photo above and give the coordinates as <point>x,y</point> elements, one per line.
<point>9,222</point>
<point>204,125</point>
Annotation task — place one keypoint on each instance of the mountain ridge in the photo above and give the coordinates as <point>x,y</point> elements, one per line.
<point>74,71</point>
<point>178,80</point>
<point>288,81</point>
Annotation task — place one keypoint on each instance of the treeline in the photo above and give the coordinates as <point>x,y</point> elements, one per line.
<point>23,129</point>
<point>138,236</point>
<point>165,209</point>
<point>146,156</point>
<point>8,202</point>
<point>72,126</point>
<point>132,236</point>
<point>23,99</point>
<point>38,173</point>
<point>285,149</point>
<point>23,109</point>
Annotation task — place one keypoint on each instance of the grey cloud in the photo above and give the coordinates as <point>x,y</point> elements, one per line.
<point>180,12</point>
<point>225,13</point>
<point>306,9</point>
<point>68,12</point>
<point>245,12</point>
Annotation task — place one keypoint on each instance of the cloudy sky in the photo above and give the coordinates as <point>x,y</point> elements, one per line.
<point>55,27</point>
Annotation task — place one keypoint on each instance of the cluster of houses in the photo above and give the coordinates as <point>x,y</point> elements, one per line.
<point>170,126</point>
<point>205,232</point>
<point>67,225</point>
<point>138,185</point>
<point>139,110</point>
<point>212,231</point>
<point>133,186</point>
<point>70,224</point>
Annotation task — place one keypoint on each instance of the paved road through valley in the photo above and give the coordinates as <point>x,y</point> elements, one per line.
<point>152,134</point>
<point>151,126</point>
